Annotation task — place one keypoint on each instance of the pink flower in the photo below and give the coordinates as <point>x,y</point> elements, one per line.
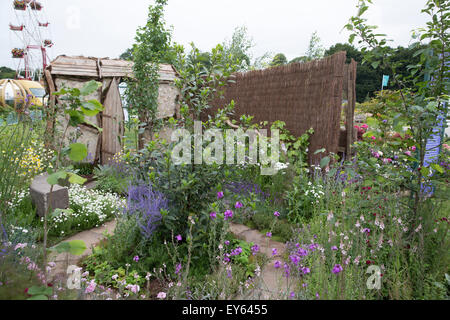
<point>91,287</point>
<point>413,148</point>
<point>276,214</point>
<point>179,237</point>
<point>213,215</point>
<point>219,195</point>
<point>238,205</point>
<point>161,295</point>
<point>408,153</point>
<point>373,138</point>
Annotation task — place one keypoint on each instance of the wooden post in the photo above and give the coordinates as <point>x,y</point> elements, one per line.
<point>351,98</point>
<point>51,113</point>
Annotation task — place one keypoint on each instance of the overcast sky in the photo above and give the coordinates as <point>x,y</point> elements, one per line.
<point>106,28</point>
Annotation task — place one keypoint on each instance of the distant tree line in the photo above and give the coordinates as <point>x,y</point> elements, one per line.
<point>368,79</point>
<point>7,73</point>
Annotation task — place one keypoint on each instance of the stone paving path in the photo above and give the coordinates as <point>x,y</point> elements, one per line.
<point>90,237</point>
<point>271,285</point>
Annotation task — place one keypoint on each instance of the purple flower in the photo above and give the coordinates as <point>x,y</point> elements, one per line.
<point>276,214</point>
<point>292,295</point>
<point>287,270</point>
<point>219,195</point>
<point>277,264</point>
<point>306,270</point>
<point>178,268</point>
<point>228,215</point>
<point>213,215</point>
<point>334,248</point>
<point>236,251</point>
<point>302,252</point>
<point>146,204</point>
<point>255,249</point>
<point>179,237</point>
<point>136,258</point>
<point>304,285</point>
<point>238,205</point>
<point>274,252</point>
<point>269,234</point>
<point>227,242</point>
<point>337,268</point>
<point>295,259</point>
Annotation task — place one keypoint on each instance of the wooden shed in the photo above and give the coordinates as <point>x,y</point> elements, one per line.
<point>74,72</point>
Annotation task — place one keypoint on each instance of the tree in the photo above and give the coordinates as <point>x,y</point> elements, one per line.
<point>278,60</point>
<point>127,55</point>
<point>368,79</point>
<point>153,47</point>
<point>315,49</point>
<point>237,49</point>
<point>7,73</point>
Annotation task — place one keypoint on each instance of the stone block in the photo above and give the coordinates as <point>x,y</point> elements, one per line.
<point>40,192</point>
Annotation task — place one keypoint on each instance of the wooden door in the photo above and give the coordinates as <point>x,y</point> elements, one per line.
<point>112,123</point>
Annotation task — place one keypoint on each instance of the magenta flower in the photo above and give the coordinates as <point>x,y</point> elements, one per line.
<point>228,215</point>
<point>292,295</point>
<point>238,205</point>
<point>276,214</point>
<point>413,148</point>
<point>136,258</point>
<point>337,268</point>
<point>219,195</point>
<point>213,215</point>
<point>179,237</point>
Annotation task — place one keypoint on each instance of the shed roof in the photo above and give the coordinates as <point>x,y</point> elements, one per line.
<point>101,68</point>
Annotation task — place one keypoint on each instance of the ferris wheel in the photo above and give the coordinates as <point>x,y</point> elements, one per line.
<point>30,38</point>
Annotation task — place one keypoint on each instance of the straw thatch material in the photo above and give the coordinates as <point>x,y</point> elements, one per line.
<point>303,95</point>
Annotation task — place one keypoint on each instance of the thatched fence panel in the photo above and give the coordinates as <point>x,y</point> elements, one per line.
<point>303,95</point>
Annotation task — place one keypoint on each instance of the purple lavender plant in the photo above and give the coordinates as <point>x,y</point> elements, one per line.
<point>145,204</point>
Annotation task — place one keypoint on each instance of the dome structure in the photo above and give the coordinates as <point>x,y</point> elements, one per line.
<point>18,94</point>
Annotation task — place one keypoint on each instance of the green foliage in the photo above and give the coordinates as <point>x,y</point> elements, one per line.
<point>237,49</point>
<point>110,179</point>
<point>368,79</point>
<point>74,247</point>
<point>7,73</point>
<point>202,79</point>
<point>153,46</point>
<point>279,60</point>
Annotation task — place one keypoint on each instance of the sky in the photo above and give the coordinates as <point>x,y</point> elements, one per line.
<point>106,28</point>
